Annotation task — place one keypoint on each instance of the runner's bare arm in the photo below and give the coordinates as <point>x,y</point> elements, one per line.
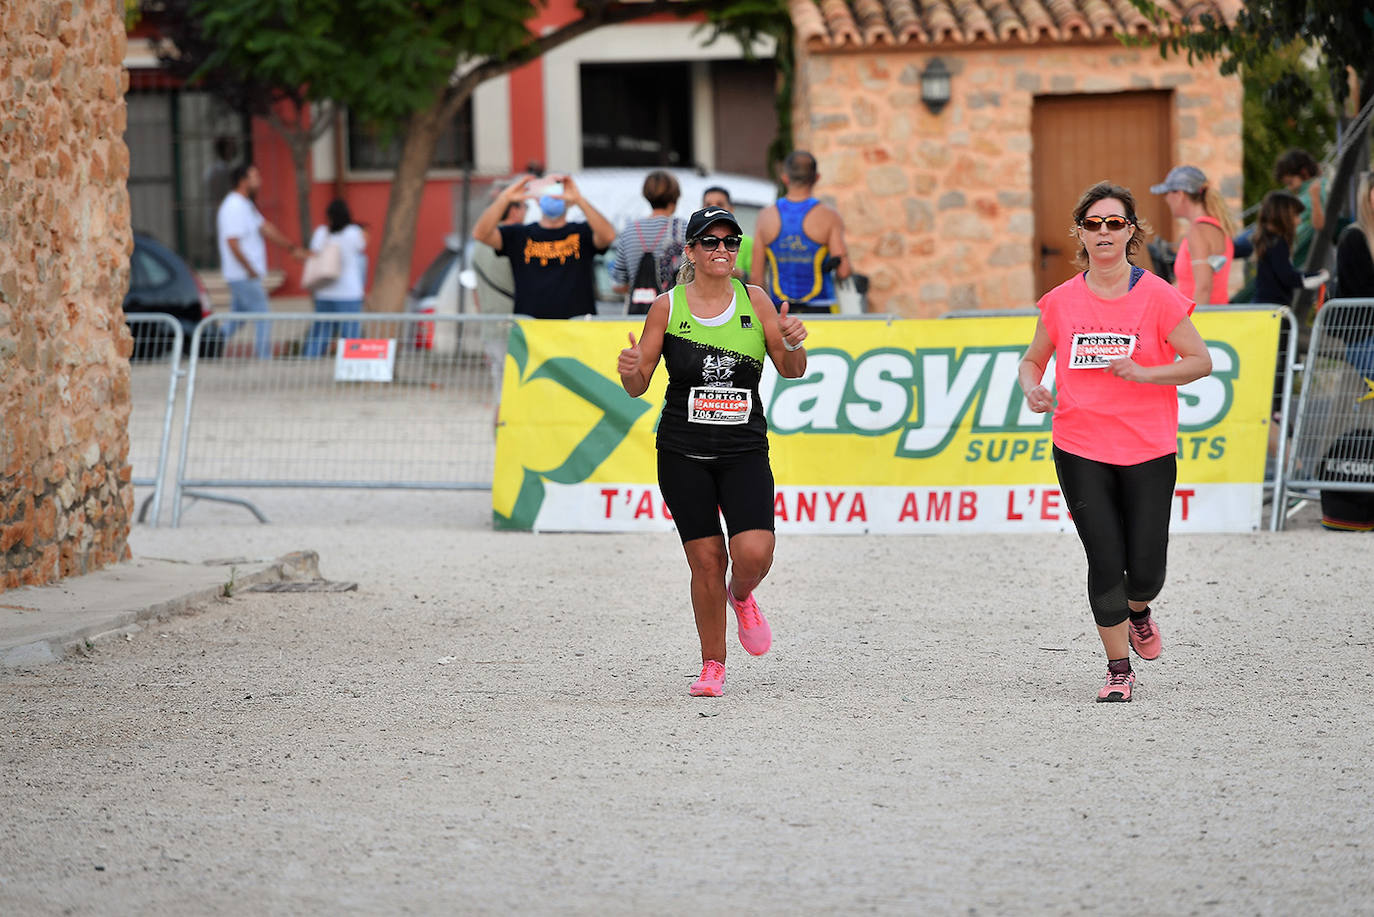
<point>638,361</point>
<point>1031,370</point>
<point>783,334</point>
<point>1194,363</point>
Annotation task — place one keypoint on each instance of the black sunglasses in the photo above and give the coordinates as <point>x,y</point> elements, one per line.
<point>710,243</point>
<point>1093,224</point>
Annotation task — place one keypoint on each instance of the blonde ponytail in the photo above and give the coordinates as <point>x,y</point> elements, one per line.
<point>1215,207</point>
<point>687,272</point>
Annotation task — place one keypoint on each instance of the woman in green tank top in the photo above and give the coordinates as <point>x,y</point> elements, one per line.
<point>713,333</point>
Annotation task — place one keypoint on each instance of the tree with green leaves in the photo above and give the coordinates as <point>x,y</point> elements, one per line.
<point>271,90</point>
<point>1287,105</point>
<point>1339,32</point>
<point>407,67</point>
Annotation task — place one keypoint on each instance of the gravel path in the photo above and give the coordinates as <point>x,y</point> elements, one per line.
<point>500,723</point>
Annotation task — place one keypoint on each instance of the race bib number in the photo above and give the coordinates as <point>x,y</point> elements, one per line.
<point>719,405</point>
<point>1096,350</point>
<point>643,296</point>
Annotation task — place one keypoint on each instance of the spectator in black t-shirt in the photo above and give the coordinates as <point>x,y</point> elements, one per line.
<point>551,261</point>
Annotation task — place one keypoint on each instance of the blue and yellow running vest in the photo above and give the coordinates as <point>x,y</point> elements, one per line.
<point>794,260</point>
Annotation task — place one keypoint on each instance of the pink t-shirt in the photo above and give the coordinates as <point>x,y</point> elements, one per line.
<point>1097,415</point>
<point>1183,268</point>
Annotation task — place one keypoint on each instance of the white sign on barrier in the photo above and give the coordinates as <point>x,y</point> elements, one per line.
<point>365,360</point>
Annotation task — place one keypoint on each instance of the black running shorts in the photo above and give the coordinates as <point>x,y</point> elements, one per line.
<point>698,491</point>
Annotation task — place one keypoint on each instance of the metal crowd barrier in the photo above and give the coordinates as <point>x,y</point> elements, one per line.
<point>154,370</point>
<point>888,317</point>
<point>410,405</point>
<point>1337,402</point>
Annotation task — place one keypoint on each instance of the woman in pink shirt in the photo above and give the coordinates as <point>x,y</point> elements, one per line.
<point>1115,332</point>
<point>1202,268</point>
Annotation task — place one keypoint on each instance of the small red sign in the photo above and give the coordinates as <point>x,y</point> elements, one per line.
<point>365,349</point>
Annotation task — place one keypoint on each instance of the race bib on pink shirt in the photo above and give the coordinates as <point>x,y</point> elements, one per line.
<point>1097,349</point>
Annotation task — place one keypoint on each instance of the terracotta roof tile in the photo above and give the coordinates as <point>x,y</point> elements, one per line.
<point>807,21</point>
<point>869,23</point>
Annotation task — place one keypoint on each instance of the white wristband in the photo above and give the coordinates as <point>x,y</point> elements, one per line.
<point>790,348</point>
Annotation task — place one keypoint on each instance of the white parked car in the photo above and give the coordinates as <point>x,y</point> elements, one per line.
<point>618,194</point>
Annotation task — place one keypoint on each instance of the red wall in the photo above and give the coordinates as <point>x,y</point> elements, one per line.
<point>368,200</point>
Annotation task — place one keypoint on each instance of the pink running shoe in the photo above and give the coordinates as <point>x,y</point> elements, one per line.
<point>1145,638</point>
<point>1117,689</point>
<point>754,633</point>
<point>712,680</point>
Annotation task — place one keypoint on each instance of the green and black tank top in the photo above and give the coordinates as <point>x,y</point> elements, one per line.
<point>712,407</point>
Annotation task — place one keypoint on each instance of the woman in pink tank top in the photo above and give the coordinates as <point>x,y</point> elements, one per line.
<point>1114,332</point>
<point>1202,269</point>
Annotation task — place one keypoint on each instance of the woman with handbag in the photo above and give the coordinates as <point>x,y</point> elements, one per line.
<point>335,273</point>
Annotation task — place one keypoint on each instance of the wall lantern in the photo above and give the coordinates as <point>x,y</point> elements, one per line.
<point>935,85</point>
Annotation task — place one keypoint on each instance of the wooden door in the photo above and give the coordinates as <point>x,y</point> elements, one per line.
<point>1079,140</point>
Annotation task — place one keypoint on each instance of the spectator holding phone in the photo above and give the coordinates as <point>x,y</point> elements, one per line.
<point>552,260</point>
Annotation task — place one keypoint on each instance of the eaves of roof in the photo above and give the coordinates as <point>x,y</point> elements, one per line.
<point>848,25</point>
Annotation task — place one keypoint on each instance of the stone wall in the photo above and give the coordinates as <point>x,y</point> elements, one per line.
<point>65,494</point>
<point>939,209</point>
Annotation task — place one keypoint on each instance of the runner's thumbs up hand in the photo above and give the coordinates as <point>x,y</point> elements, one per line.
<point>629,358</point>
<point>793,331</point>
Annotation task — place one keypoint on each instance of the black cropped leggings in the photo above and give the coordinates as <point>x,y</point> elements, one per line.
<point>1122,516</point>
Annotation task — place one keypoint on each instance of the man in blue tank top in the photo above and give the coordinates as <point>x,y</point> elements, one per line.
<point>797,236</point>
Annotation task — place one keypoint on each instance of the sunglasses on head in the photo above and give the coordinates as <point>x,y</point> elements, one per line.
<point>1093,224</point>
<point>709,243</point>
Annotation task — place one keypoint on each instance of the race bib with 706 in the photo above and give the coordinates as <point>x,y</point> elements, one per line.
<point>719,405</point>
<point>1097,349</point>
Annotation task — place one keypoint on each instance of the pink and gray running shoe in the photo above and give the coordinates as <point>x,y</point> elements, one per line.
<point>1117,689</point>
<point>711,683</point>
<point>754,633</point>
<point>1145,638</point>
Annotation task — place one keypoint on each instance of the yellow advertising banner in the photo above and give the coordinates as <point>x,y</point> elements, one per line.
<point>907,427</point>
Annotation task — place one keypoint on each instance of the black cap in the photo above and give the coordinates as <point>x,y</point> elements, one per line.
<point>706,217</point>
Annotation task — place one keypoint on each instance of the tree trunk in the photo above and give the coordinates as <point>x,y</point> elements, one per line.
<point>300,158</point>
<point>299,138</point>
<point>1319,255</point>
<point>392,277</point>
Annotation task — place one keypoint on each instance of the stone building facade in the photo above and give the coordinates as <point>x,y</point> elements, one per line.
<point>950,210</point>
<point>65,492</point>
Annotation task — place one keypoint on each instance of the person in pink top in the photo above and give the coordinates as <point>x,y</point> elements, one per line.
<point>1202,268</point>
<point>1122,342</point>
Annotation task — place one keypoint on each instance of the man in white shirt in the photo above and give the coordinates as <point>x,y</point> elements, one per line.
<point>243,253</point>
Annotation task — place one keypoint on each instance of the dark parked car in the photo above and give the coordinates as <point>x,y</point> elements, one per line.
<point>159,281</point>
